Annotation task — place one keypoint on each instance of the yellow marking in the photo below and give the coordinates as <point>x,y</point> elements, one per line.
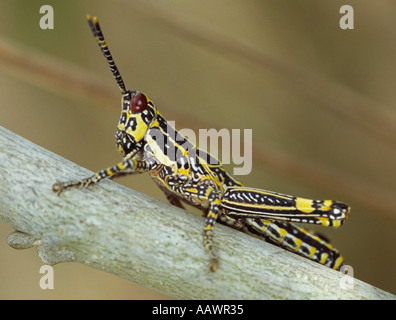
<point>298,243</point>
<point>314,236</point>
<point>150,101</point>
<point>303,230</point>
<point>155,123</point>
<point>282,232</point>
<point>109,172</point>
<point>312,251</point>
<point>266,224</point>
<point>217,201</point>
<point>141,128</point>
<point>338,262</point>
<point>336,223</point>
<point>328,245</point>
<point>325,221</point>
<point>318,239</point>
<point>304,205</point>
<point>324,258</point>
<point>178,146</point>
<point>121,166</point>
<point>326,205</point>
<point>184,172</point>
<point>212,215</point>
<point>121,126</point>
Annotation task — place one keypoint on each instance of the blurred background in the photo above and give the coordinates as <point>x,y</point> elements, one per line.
<point>320,101</point>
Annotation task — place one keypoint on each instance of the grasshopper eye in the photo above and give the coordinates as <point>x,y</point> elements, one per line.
<point>138,103</point>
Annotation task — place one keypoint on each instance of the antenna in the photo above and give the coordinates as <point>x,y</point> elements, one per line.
<point>97,32</point>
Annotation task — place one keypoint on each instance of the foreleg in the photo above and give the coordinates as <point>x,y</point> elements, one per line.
<point>128,166</point>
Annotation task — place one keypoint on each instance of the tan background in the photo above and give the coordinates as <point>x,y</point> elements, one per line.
<point>320,102</point>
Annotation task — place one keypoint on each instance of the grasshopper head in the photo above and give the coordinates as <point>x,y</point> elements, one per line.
<point>137,115</point>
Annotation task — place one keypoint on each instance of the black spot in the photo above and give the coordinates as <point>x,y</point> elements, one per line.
<point>132,123</point>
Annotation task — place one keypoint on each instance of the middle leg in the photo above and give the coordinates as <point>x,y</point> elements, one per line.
<point>207,197</point>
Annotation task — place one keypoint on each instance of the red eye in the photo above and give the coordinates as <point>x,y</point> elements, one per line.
<point>138,103</point>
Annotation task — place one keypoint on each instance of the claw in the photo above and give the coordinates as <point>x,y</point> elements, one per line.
<point>214,265</point>
<point>57,188</point>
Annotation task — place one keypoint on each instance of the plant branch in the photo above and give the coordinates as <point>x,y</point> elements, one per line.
<point>115,229</point>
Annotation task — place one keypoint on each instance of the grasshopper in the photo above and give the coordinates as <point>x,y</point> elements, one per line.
<point>188,174</point>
